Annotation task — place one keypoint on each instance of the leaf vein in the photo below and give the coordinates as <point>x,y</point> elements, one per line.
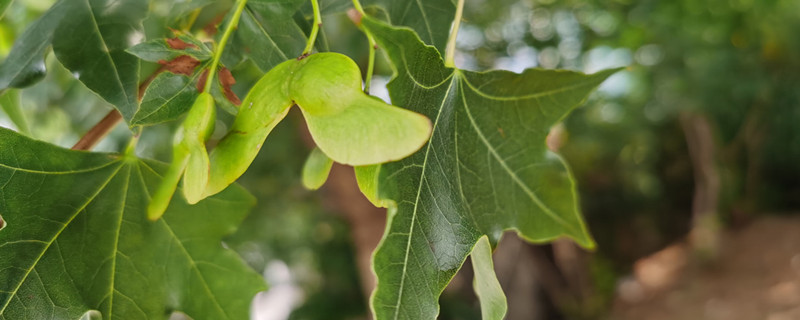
<point>54,237</point>
<point>514,177</point>
<point>416,205</point>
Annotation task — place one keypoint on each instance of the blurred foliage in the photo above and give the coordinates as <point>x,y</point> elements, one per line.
<point>736,62</point>
<point>291,225</point>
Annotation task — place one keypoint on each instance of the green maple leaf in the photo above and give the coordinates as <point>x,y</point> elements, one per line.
<point>266,34</point>
<point>90,41</point>
<point>76,241</point>
<point>486,169</point>
<point>25,63</point>
<point>421,16</point>
<point>167,98</point>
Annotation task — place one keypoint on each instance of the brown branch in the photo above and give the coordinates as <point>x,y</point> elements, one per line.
<point>99,131</point>
<point>102,128</point>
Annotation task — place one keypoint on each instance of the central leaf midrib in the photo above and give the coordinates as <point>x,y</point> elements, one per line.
<point>31,57</point>
<point>112,283</point>
<point>528,96</point>
<point>416,201</point>
<point>264,31</point>
<point>517,180</point>
<point>96,26</point>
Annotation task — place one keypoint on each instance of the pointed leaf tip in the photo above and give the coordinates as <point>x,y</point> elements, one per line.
<point>91,43</point>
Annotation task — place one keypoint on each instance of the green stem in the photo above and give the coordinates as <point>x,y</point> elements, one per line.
<point>222,42</point>
<point>312,38</point>
<point>357,5</point>
<point>372,47</point>
<point>450,52</point>
<point>99,131</point>
<point>371,63</point>
<point>130,150</point>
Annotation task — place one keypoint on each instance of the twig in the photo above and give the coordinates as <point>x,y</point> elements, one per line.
<point>99,131</point>
<point>102,128</point>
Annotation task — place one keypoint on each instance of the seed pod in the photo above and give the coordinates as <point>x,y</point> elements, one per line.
<point>188,154</point>
<point>348,125</point>
<point>197,128</point>
<point>262,109</point>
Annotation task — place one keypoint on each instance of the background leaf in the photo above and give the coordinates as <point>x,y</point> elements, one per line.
<point>4,6</point>
<point>280,9</point>
<point>266,34</point>
<point>167,98</point>
<point>77,240</point>
<point>180,12</point>
<point>11,105</point>
<point>161,49</point>
<point>24,65</point>
<point>431,19</point>
<point>485,170</point>
<point>91,41</point>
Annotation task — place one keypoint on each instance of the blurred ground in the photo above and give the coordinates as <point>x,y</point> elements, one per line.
<point>756,276</point>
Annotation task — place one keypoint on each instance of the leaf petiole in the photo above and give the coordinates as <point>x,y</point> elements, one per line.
<point>312,38</point>
<point>222,42</point>
<point>370,64</point>
<point>372,47</point>
<point>130,150</point>
<point>450,51</point>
